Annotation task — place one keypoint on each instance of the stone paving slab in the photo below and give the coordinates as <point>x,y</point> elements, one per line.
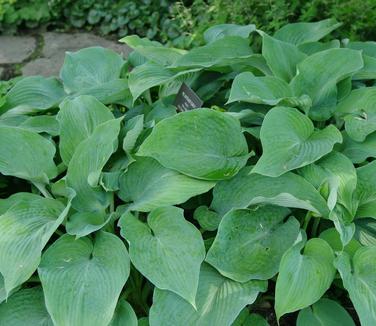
<point>16,49</point>
<point>57,43</point>
<point>55,46</point>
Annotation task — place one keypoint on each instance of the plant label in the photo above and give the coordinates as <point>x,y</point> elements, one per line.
<point>187,99</point>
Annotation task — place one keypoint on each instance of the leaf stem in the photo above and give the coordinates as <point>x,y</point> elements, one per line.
<point>42,188</point>
<point>112,204</point>
<point>148,97</point>
<point>58,232</point>
<point>307,219</point>
<point>315,226</point>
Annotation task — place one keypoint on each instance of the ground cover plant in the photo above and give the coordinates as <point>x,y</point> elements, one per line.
<point>118,209</point>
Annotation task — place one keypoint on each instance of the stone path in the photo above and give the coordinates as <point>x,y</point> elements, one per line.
<point>44,54</point>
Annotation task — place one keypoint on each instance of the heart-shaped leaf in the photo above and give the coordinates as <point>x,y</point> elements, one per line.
<point>303,278</point>
<point>94,71</point>
<point>82,279</point>
<point>250,243</point>
<point>90,67</point>
<point>203,144</point>
<point>289,141</point>
<point>168,250</point>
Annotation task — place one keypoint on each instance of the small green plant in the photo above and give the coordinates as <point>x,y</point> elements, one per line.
<point>358,17</point>
<point>126,211</point>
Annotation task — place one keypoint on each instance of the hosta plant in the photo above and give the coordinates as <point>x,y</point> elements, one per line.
<point>258,207</point>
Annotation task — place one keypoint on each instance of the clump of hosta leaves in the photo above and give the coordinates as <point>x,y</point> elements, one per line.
<point>256,208</point>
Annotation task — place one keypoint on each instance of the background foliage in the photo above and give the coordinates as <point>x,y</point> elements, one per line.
<point>182,23</point>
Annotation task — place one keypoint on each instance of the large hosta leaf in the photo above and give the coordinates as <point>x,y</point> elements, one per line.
<point>87,163</point>
<point>26,155</point>
<point>203,143</point>
<point>359,279</point>
<point>26,226</point>
<point>149,185</point>
<point>90,67</point>
<point>318,77</point>
<point>289,141</point>
<point>324,313</point>
<point>263,90</point>
<point>303,278</point>
<point>219,300</point>
<point>168,250</point>
<point>33,93</point>
<point>82,279</point>
<point>299,33</point>
<point>93,68</point>
<point>26,307</point>
<point>250,243</point>
<point>289,190</point>
<point>78,118</point>
<point>366,190</point>
<point>281,57</point>
<point>359,113</point>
